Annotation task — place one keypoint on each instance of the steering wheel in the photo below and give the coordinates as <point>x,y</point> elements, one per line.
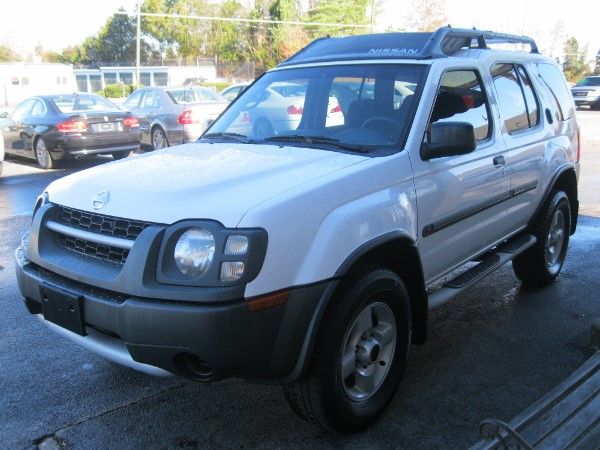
<point>385,121</point>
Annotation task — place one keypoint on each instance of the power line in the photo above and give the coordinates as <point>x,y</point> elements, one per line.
<point>239,19</point>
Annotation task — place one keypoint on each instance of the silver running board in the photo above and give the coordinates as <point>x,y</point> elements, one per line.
<point>492,261</point>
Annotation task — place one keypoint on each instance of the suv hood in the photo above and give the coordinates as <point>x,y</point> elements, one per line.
<point>220,181</point>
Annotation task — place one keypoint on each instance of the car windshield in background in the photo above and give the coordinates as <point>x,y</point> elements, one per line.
<point>185,96</point>
<point>335,107</point>
<point>82,103</point>
<point>590,81</point>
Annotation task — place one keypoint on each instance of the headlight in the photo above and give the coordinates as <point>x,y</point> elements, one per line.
<point>194,251</point>
<point>204,253</point>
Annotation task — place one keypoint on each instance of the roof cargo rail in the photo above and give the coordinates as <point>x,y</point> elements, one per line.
<point>442,43</point>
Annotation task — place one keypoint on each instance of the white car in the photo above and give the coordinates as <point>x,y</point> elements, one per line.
<point>309,253</point>
<point>231,92</point>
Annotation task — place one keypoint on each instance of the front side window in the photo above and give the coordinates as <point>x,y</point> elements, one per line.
<point>461,98</point>
<point>23,109</point>
<point>369,106</point>
<point>133,101</point>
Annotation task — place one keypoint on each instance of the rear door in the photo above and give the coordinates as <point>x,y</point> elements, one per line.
<point>525,136</point>
<point>461,199</point>
<point>149,107</point>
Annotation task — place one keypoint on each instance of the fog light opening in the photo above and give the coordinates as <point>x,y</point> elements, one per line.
<point>197,368</point>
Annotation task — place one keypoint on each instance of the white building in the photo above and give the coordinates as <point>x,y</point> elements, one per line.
<point>94,80</point>
<point>21,80</point>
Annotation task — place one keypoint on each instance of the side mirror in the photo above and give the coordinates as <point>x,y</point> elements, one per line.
<point>448,139</point>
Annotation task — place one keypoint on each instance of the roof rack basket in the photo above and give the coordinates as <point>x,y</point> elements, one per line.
<point>447,40</point>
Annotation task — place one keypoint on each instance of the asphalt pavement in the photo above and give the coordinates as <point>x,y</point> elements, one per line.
<point>491,353</point>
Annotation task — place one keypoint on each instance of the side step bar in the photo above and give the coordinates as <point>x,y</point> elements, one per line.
<point>492,261</point>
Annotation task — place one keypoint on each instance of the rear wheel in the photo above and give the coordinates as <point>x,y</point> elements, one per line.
<point>360,354</point>
<point>42,155</point>
<point>541,264</point>
<point>159,138</point>
<point>120,155</point>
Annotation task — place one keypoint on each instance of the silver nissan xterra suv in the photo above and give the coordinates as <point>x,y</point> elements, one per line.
<point>303,239</point>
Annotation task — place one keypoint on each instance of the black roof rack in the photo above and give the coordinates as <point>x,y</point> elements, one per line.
<point>442,43</point>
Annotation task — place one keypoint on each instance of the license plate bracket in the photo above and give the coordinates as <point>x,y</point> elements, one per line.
<point>63,308</point>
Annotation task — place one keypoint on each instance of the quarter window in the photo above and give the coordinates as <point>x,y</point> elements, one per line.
<point>461,98</point>
<point>555,81</point>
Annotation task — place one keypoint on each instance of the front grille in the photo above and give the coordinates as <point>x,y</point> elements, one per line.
<point>99,251</point>
<point>99,224</point>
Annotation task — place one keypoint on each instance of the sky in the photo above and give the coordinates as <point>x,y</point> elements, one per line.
<point>60,23</point>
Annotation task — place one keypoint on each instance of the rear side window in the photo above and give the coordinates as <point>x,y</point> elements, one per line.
<point>461,99</point>
<point>555,81</point>
<point>516,97</point>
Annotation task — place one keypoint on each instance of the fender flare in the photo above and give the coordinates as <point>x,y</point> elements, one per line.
<point>419,332</point>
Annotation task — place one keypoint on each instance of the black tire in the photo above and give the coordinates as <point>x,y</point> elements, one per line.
<point>120,155</point>
<point>42,155</point>
<point>322,396</point>
<point>540,265</point>
<point>158,138</point>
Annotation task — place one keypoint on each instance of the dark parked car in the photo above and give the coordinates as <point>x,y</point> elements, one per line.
<point>51,128</point>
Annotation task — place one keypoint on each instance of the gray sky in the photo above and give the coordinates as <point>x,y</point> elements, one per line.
<point>59,23</point>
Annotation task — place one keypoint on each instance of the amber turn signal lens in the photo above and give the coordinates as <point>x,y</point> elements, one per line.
<point>268,301</point>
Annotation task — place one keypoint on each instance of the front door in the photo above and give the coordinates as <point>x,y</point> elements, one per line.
<point>13,129</point>
<point>461,199</point>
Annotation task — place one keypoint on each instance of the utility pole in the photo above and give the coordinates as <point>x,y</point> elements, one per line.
<point>372,15</point>
<point>137,44</point>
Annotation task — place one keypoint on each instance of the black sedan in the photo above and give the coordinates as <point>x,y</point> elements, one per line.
<point>51,128</point>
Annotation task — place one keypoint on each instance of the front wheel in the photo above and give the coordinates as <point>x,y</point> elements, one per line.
<point>360,354</point>
<point>541,264</point>
<point>42,155</point>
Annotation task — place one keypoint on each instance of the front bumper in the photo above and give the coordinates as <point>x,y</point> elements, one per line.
<point>155,336</point>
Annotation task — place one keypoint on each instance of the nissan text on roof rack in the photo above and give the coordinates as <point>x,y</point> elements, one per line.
<point>304,244</point>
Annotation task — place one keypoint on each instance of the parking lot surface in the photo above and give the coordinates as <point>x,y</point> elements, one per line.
<point>492,352</point>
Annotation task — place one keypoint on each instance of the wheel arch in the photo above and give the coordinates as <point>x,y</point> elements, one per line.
<point>565,179</point>
<point>399,252</point>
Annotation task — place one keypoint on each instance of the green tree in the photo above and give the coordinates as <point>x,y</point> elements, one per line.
<point>115,43</point>
<point>7,54</point>
<point>225,36</point>
<point>574,65</point>
<point>597,67</point>
<point>351,12</point>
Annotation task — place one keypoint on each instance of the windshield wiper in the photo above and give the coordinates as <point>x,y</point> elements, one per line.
<point>318,140</point>
<point>225,135</point>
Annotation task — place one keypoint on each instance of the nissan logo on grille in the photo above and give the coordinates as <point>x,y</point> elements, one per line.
<point>100,199</point>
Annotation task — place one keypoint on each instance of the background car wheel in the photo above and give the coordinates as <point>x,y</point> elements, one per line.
<point>541,264</point>
<point>159,138</point>
<point>120,155</point>
<point>42,155</point>
<point>360,353</point>
<point>263,129</point>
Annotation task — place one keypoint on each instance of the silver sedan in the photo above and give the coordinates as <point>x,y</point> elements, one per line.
<point>174,115</point>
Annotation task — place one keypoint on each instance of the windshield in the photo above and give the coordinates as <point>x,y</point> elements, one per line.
<point>82,103</point>
<point>590,81</point>
<point>184,96</point>
<point>354,105</point>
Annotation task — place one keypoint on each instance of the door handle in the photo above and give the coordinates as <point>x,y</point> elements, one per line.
<point>499,161</point>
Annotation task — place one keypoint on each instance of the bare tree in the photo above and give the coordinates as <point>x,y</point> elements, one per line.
<point>557,36</point>
<point>428,15</point>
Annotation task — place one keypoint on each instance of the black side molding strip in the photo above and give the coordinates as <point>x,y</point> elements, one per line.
<point>453,219</point>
